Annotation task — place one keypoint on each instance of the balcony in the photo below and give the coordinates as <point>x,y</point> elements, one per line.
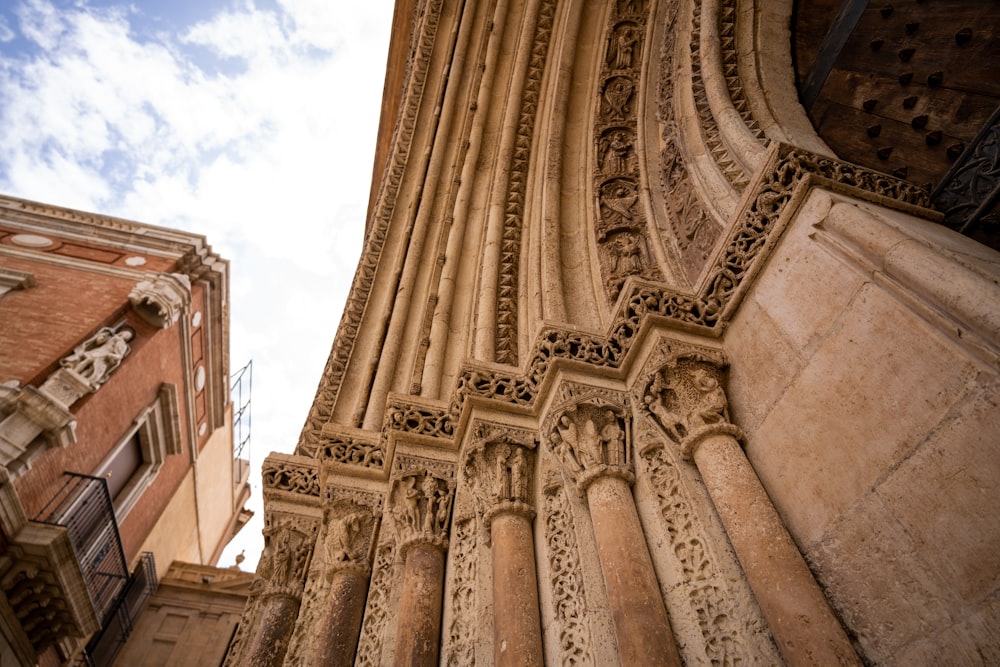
<point>84,508</point>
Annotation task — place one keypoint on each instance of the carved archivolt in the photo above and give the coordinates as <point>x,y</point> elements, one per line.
<point>510,249</point>
<point>788,173</point>
<point>621,225</point>
<point>350,322</point>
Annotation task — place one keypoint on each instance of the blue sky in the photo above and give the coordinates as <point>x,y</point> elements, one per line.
<point>252,122</point>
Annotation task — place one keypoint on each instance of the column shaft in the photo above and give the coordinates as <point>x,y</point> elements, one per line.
<point>640,618</point>
<point>419,631</point>
<point>517,635</point>
<point>803,625</point>
<point>342,626</point>
<point>274,630</point>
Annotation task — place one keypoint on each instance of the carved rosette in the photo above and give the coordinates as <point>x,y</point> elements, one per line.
<point>499,469</point>
<point>420,506</point>
<point>686,401</point>
<point>160,298</point>
<point>591,438</point>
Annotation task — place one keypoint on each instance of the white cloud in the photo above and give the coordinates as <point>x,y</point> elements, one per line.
<point>270,158</point>
<point>6,34</point>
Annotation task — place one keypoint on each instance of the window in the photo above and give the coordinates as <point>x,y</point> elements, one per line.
<point>133,464</point>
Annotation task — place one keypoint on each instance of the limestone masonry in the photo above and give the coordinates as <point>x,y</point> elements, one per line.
<point>655,354</point>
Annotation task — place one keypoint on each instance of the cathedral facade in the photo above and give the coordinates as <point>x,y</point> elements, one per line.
<point>639,367</point>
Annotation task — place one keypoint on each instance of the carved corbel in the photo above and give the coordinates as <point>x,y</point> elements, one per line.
<point>160,298</point>
<point>420,505</point>
<point>685,399</point>
<point>591,439</point>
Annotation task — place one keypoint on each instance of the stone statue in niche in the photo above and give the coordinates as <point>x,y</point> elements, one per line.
<point>684,396</point>
<point>97,357</point>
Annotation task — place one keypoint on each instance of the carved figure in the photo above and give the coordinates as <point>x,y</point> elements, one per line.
<point>712,404</point>
<point>617,94</point>
<point>96,358</point>
<point>502,474</point>
<point>443,509</point>
<point>627,254</point>
<point>618,207</point>
<point>613,440</point>
<point>341,539</point>
<point>429,486</point>
<point>411,503</point>
<point>621,47</point>
<point>519,476</point>
<point>615,152</point>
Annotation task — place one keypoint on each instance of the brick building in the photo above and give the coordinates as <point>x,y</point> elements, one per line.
<point>116,430</point>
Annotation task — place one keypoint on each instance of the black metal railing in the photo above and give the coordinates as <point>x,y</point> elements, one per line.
<point>105,645</point>
<point>83,506</point>
<point>242,384</point>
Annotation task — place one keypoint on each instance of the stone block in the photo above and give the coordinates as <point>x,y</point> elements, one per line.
<point>875,387</point>
<point>946,494</point>
<point>876,580</point>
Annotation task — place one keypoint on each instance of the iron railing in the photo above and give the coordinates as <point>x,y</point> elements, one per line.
<point>105,645</point>
<point>242,384</point>
<point>83,506</point>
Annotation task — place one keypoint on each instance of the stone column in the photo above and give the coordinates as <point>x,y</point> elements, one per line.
<point>593,447</point>
<point>421,509</point>
<point>349,533</point>
<point>281,575</point>
<point>499,468</point>
<point>686,399</point>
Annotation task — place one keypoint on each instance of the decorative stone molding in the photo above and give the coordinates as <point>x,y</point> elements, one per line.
<point>364,278</point>
<point>590,436</point>
<point>379,608</point>
<point>290,474</point>
<point>780,187</point>
<point>25,414</point>
<point>506,345</point>
<point>354,449</point>
<point>569,596</point>
<point>460,646</point>
<point>160,298</point>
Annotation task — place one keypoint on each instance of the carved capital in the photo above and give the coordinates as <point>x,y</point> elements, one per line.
<point>285,560</point>
<point>499,469</point>
<point>160,298</point>
<point>349,531</point>
<point>591,439</point>
<point>685,399</point>
<point>420,505</point>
